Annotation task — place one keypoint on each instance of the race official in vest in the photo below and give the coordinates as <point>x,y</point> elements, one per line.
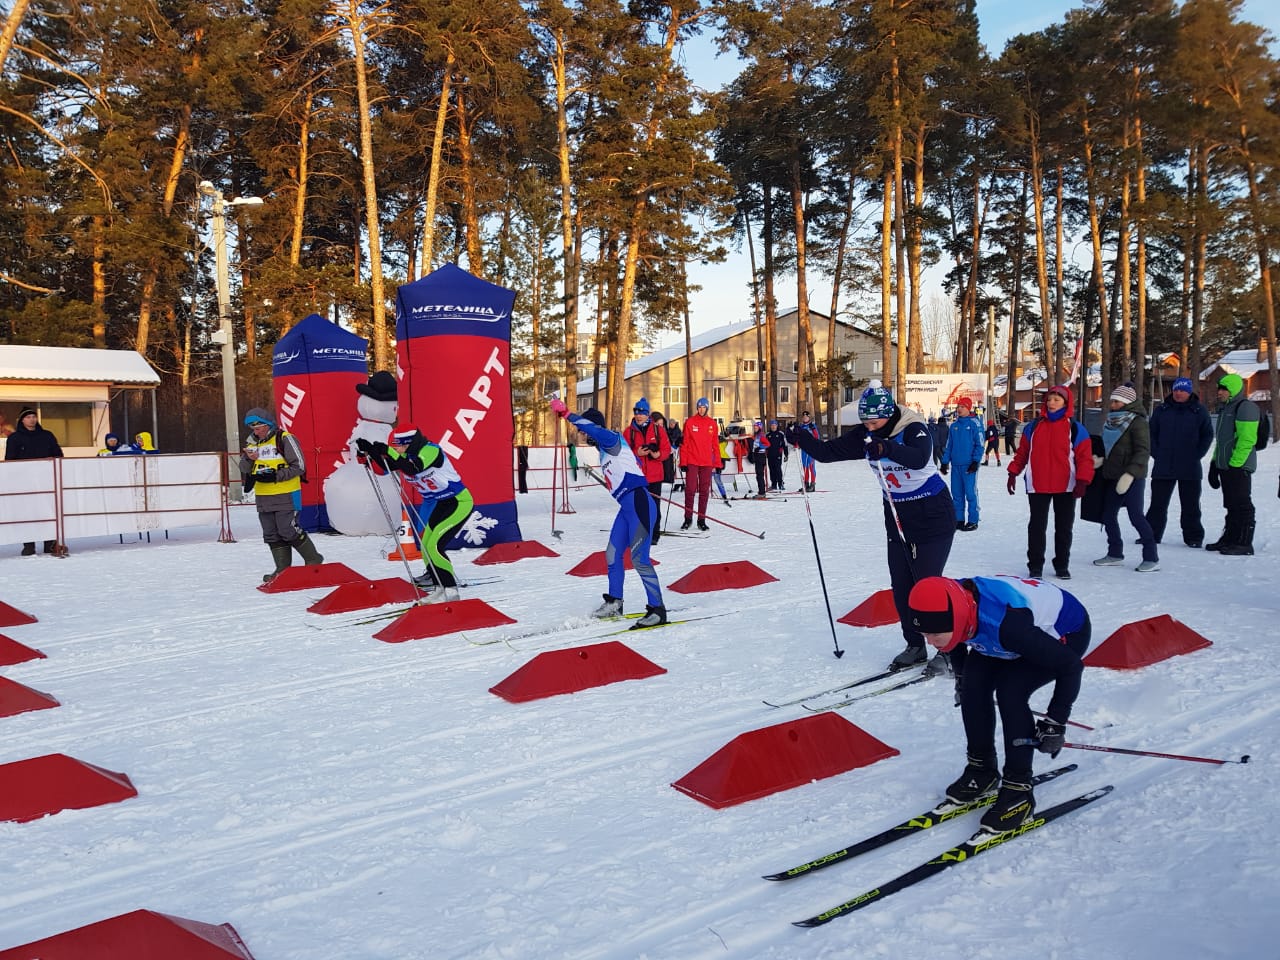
<point>273,469</point>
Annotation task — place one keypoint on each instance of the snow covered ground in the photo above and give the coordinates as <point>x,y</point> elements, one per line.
<point>333,796</point>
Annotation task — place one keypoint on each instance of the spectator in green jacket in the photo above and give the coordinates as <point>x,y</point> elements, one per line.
<point>1232,465</point>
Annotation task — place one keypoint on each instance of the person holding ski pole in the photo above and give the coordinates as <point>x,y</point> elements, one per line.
<point>919,518</point>
<point>446,502</point>
<point>1007,638</point>
<point>636,520</point>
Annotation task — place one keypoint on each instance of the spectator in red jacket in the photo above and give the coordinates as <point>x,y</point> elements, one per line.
<point>699,458</point>
<point>648,440</point>
<point>1057,455</point>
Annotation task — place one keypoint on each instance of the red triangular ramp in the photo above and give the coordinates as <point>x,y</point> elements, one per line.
<point>875,611</point>
<point>11,652</point>
<point>140,935</point>
<point>308,578</point>
<point>594,565</point>
<point>13,617</point>
<point>15,699</point>
<point>577,668</point>
<point>722,576</point>
<point>514,550</point>
<point>780,757</point>
<point>1145,642</point>
<point>40,786</point>
<point>365,595</point>
<point>439,619</point>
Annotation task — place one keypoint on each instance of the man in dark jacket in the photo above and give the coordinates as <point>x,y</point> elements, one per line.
<point>777,453</point>
<point>1181,434</point>
<point>30,441</point>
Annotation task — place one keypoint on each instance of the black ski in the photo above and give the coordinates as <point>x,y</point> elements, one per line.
<point>883,674</point>
<point>909,682</point>
<point>978,843</point>
<point>942,813</point>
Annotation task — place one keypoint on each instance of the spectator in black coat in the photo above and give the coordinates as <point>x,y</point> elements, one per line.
<point>30,441</point>
<point>778,452</point>
<point>1011,425</point>
<point>1181,434</point>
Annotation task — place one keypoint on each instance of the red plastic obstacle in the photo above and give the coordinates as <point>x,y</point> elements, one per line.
<point>44,785</point>
<point>721,576</point>
<point>1145,642</point>
<point>13,617</point>
<point>365,595</point>
<point>875,611</point>
<point>140,935</point>
<point>780,757</point>
<point>594,565</point>
<point>15,699</point>
<point>514,550</point>
<point>577,668</point>
<point>307,578</point>
<point>439,619</point>
<point>11,652</point>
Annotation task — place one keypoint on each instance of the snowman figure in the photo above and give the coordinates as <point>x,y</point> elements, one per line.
<point>346,491</point>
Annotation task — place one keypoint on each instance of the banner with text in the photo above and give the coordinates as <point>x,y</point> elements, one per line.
<point>315,369</point>
<point>932,394</point>
<point>453,346</point>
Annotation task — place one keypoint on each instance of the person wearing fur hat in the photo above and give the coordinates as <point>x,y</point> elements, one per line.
<point>919,518</point>
<point>1181,434</point>
<point>1055,457</point>
<point>1126,438</point>
<point>273,468</point>
<point>637,517</point>
<point>31,441</point>
<point>445,502</point>
<point>1007,637</point>
<point>962,450</point>
<point>1232,465</point>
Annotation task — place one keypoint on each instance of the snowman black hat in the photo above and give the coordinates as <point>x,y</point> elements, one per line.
<point>381,387</point>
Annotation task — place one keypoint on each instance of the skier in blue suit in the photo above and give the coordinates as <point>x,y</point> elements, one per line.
<point>963,452</point>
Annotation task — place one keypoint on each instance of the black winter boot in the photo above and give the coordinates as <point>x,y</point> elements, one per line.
<point>1228,536</point>
<point>1014,806</point>
<point>1242,546</point>
<point>980,777</point>
<point>282,554</point>
<point>909,658</point>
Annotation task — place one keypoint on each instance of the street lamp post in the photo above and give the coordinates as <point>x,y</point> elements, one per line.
<point>223,336</point>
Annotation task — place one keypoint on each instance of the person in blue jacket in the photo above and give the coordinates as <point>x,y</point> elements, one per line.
<point>1181,434</point>
<point>918,515</point>
<point>1008,637</point>
<point>963,452</point>
<point>635,523</point>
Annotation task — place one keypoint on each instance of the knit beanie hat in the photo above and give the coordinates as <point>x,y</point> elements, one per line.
<point>703,402</point>
<point>964,402</point>
<point>876,403</point>
<point>1184,384</point>
<point>642,406</point>
<point>941,605</point>
<point>1124,394</point>
<point>402,434</point>
<point>259,415</point>
<point>1233,383</point>
<point>24,411</point>
<point>594,415</point>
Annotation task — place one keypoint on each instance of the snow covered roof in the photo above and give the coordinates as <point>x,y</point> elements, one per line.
<point>76,365</point>
<point>1244,363</point>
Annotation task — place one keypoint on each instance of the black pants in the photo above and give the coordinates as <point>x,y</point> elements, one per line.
<point>930,527</point>
<point>991,683</point>
<point>1237,496</point>
<point>760,465</point>
<point>1189,501</point>
<point>1064,517</point>
<point>775,472</point>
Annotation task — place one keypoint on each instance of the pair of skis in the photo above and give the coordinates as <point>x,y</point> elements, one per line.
<point>860,682</point>
<point>944,812</point>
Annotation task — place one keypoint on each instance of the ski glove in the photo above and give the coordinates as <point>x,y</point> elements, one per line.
<point>1124,483</point>
<point>1012,485</point>
<point>1079,490</point>
<point>559,408</point>
<point>876,448</point>
<point>944,468</point>
<point>1097,462</point>
<point>973,467</point>
<point>1215,481</point>
<point>375,452</point>
<point>1051,735</point>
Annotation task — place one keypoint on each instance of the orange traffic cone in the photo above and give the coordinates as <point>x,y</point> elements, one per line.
<point>408,542</point>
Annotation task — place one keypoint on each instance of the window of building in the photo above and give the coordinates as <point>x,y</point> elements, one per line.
<point>848,394</point>
<point>71,423</point>
<point>877,366</point>
<point>784,394</point>
<point>749,366</point>
<point>717,395</point>
<point>678,396</point>
<point>795,366</point>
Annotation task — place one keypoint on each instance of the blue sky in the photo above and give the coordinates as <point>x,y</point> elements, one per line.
<point>725,296</point>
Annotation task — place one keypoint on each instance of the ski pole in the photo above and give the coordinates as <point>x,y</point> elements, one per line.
<point>817,555</point>
<point>888,495</point>
<point>391,525</point>
<point>1034,742</point>
<point>759,536</point>
<point>1070,723</point>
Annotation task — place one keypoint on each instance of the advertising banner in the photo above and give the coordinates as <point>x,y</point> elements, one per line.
<point>315,368</point>
<point>932,394</point>
<point>453,347</point>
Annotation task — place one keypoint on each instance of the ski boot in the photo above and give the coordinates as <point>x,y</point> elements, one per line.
<point>612,607</point>
<point>980,777</point>
<point>1014,806</point>
<point>653,617</point>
